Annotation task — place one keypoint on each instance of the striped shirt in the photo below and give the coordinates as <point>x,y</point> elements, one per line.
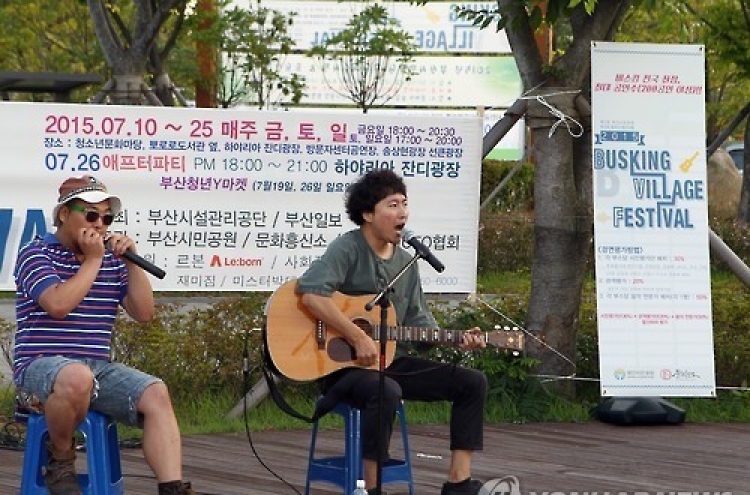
<point>86,331</point>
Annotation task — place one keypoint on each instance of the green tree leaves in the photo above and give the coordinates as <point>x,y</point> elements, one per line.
<point>369,60</point>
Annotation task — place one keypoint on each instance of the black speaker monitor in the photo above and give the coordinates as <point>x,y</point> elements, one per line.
<point>638,411</point>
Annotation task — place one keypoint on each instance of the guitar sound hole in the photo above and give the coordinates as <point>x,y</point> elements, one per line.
<point>340,351</point>
<point>365,325</point>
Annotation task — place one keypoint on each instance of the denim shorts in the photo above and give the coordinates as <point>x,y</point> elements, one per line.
<point>117,388</point>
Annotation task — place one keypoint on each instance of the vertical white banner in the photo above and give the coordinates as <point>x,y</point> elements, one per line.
<point>651,220</point>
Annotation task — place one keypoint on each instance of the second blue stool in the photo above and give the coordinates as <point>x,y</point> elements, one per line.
<point>344,471</point>
<point>104,476</point>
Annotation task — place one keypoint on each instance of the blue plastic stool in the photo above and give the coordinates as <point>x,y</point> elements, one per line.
<point>104,476</point>
<point>344,471</point>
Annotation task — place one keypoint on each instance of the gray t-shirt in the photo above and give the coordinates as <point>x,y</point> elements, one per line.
<point>350,266</point>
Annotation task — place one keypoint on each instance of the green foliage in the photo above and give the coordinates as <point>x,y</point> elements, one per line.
<point>370,58</point>
<point>199,353</point>
<point>506,242</point>
<point>42,36</point>
<point>506,231</point>
<point>517,194</point>
<point>727,25</point>
<point>195,350</point>
<point>537,13</point>
<point>718,24</point>
<point>731,339</point>
<point>7,330</point>
<point>729,407</point>
<point>255,42</point>
<point>481,18</point>
<point>587,346</point>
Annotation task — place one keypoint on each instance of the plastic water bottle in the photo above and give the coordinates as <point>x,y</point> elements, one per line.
<point>360,490</point>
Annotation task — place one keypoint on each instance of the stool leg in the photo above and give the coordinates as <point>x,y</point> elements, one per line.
<point>405,440</point>
<point>353,449</point>
<point>34,457</point>
<point>102,455</point>
<point>311,456</point>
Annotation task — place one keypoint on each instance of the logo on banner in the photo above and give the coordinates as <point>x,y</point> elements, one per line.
<point>635,374</point>
<point>234,262</point>
<point>679,375</point>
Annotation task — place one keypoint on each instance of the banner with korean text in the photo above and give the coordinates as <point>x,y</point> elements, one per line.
<point>240,200</point>
<point>456,64</point>
<point>651,220</point>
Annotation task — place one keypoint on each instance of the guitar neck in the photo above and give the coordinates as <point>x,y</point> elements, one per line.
<point>503,339</point>
<point>419,334</point>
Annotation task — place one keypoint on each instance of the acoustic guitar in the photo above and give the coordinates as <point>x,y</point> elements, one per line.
<point>303,348</point>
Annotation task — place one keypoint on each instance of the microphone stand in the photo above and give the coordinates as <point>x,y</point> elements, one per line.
<point>384,302</point>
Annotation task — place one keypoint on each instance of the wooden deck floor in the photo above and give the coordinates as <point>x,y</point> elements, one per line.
<point>544,457</point>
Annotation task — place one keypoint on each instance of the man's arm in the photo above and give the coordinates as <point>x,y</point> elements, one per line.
<point>62,298</point>
<point>326,310</point>
<point>139,301</point>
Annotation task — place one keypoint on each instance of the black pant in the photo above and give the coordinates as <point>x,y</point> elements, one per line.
<point>413,378</point>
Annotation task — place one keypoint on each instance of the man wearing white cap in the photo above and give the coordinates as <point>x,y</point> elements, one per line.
<point>68,290</point>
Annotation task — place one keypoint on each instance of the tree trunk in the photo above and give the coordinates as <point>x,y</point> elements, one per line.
<point>164,89</point>
<point>127,52</point>
<point>563,207</point>
<point>562,231</point>
<point>128,89</point>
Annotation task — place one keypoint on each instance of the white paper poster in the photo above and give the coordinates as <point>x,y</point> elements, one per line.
<point>651,220</point>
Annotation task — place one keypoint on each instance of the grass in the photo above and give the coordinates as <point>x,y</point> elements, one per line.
<point>504,283</point>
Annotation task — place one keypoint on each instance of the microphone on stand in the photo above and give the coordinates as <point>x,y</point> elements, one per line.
<point>422,250</point>
<point>141,262</point>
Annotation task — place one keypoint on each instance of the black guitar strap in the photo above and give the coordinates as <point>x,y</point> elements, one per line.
<point>281,402</point>
<point>325,403</point>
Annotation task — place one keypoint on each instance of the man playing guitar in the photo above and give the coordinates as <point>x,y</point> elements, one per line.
<point>363,261</point>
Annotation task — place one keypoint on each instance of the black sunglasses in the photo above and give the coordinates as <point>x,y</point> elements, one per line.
<point>93,215</point>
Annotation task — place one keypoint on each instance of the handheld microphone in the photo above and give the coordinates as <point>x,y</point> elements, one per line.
<point>141,262</point>
<point>422,250</point>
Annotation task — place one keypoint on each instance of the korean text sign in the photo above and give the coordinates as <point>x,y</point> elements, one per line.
<point>240,200</point>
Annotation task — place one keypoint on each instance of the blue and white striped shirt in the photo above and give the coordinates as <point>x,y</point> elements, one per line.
<point>86,331</point>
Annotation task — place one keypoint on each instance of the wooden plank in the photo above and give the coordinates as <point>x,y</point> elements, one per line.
<point>551,457</point>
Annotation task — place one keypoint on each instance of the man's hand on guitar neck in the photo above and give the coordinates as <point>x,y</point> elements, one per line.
<point>472,339</point>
